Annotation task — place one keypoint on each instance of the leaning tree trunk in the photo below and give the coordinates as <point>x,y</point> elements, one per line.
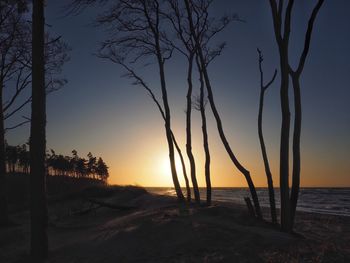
<point>3,194</point>
<point>233,158</point>
<point>205,138</point>
<point>188,130</point>
<point>223,138</point>
<point>155,100</point>
<point>168,126</point>
<point>188,189</point>
<point>296,147</point>
<point>38,205</point>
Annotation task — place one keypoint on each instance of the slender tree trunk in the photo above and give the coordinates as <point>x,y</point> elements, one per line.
<point>284,143</point>
<point>168,127</point>
<point>205,138</point>
<point>188,189</point>
<point>266,160</point>
<point>223,138</point>
<point>296,146</point>
<point>188,130</point>
<point>3,195</point>
<point>288,206</point>
<point>233,158</point>
<point>263,88</point>
<point>282,42</point>
<point>38,206</point>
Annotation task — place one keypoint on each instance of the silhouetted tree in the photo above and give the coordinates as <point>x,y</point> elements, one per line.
<point>188,189</point>
<point>38,205</point>
<point>17,158</point>
<point>200,9</point>
<point>200,104</point>
<point>263,88</point>
<point>11,157</point>
<point>138,33</point>
<point>74,161</point>
<point>139,81</point>
<point>15,67</point>
<point>91,165</point>
<point>23,158</point>
<point>102,169</point>
<point>56,54</point>
<point>11,22</point>
<point>189,51</point>
<point>282,29</point>
<point>75,166</point>
<point>81,167</point>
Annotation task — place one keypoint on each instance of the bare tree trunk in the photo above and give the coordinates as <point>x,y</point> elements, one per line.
<point>288,206</point>
<point>282,42</point>
<point>233,158</point>
<point>188,189</point>
<point>162,112</point>
<point>205,137</point>
<point>262,142</point>
<point>3,195</point>
<point>168,127</point>
<point>188,130</point>
<point>266,162</point>
<point>284,148</point>
<point>169,136</point>
<point>296,146</point>
<point>298,109</point>
<point>38,205</point>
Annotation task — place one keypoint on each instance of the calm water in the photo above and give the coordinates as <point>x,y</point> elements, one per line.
<point>334,201</point>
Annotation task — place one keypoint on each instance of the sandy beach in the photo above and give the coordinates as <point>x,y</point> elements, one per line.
<point>135,226</point>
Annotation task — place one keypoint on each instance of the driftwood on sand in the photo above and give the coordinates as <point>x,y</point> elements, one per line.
<point>96,204</point>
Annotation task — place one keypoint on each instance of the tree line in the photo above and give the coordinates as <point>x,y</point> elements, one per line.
<point>18,161</point>
<point>76,166</point>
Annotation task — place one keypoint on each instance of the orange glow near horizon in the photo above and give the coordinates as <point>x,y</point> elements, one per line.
<point>138,155</point>
<point>151,168</point>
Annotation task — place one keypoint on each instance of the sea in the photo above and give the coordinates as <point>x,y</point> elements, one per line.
<point>333,201</point>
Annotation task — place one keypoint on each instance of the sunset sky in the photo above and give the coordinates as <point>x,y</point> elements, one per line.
<point>100,111</point>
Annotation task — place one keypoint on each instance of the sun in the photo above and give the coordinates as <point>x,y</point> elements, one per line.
<point>161,175</point>
<point>164,166</point>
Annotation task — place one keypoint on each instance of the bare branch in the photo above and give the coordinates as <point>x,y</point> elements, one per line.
<point>262,86</point>
<point>287,22</point>
<point>308,36</point>
<point>8,115</point>
<point>139,81</point>
<point>27,120</point>
<point>277,18</point>
<point>20,86</point>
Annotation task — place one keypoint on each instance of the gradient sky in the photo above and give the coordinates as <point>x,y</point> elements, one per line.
<point>101,112</point>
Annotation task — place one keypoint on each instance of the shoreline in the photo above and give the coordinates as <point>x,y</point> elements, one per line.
<point>333,201</point>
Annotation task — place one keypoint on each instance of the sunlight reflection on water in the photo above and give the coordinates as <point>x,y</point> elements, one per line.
<point>335,201</point>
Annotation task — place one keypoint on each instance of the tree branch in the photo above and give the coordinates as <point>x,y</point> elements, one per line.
<point>262,86</point>
<point>308,36</point>
<point>27,120</point>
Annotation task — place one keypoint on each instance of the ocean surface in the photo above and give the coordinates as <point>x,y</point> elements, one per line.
<point>335,201</point>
